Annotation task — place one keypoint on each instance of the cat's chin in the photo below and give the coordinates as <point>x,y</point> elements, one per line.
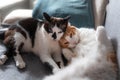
<point>72,46</point>
<point>55,39</point>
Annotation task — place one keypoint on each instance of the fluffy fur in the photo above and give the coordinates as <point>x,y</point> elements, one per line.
<point>95,58</point>
<point>39,37</point>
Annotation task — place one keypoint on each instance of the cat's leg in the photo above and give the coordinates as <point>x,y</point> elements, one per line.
<point>19,61</point>
<point>68,54</point>
<point>47,60</point>
<point>18,58</point>
<point>3,53</point>
<point>58,59</point>
<point>18,46</point>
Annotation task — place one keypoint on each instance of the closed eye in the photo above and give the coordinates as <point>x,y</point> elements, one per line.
<point>60,32</point>
<point>70,35</point>
<point>66,42</point>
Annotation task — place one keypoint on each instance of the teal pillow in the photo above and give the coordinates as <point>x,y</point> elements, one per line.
<point>79,10</point>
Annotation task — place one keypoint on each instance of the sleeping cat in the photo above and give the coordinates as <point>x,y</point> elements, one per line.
<point>95,58</point>
<point>39,37</point>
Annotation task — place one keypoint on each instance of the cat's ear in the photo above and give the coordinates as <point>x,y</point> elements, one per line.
<point>66,23</point>
<point>67,18</point>
<point>47,17</point>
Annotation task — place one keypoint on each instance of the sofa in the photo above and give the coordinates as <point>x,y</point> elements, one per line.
<point>7,6</point>
<point>106,12</point>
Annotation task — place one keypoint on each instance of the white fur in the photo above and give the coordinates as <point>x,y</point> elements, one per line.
<point>3,59</point>
<point>19,61</point>
<point>91,63</point>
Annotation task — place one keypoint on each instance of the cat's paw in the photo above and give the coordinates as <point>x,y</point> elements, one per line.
<point>74,55</point>
<point>61,65</point>
<point>55,70</point>
<point>3,59</point>
<point>21,65</point>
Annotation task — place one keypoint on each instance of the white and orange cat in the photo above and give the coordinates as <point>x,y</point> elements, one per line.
<point>90,54</point>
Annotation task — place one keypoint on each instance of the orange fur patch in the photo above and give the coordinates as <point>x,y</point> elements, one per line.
<point>70,31</point>
<point>111,57</point>
<point>9,33</point>
<point>9,36</point>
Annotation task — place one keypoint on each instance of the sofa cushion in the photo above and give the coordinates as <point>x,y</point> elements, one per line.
<point>112,25</point>
<point>79,10</point>
<point>16,15</point>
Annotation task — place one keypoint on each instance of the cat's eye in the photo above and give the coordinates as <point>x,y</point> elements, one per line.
<point>50,31</point>
<point>66,42</point>
<point>70,35</point>
<point>60,32</point>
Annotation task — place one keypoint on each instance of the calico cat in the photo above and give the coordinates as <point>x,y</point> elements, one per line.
<point>39,37</point>
<point>95,58</point>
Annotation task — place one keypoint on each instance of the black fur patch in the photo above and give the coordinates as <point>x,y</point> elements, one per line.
<point>50,22</point>
<point>64,60</point>
<point>47,27</point>
<point>10,47</point>
<point>48,65</point>
<point>20,47</point>
<point>54,35</point>
<point>30,25</point>
<point>2,35</point>
<point>58,63</point>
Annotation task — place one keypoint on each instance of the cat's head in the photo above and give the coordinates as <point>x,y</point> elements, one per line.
<point>70,38</point>
<point>54,26</point>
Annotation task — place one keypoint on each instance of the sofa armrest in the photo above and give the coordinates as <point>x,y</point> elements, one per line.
<point>16,15</point>
<point>7,6</point>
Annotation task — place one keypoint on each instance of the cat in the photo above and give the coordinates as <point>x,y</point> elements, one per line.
<point>39,37</point>
<point>95,59</point>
